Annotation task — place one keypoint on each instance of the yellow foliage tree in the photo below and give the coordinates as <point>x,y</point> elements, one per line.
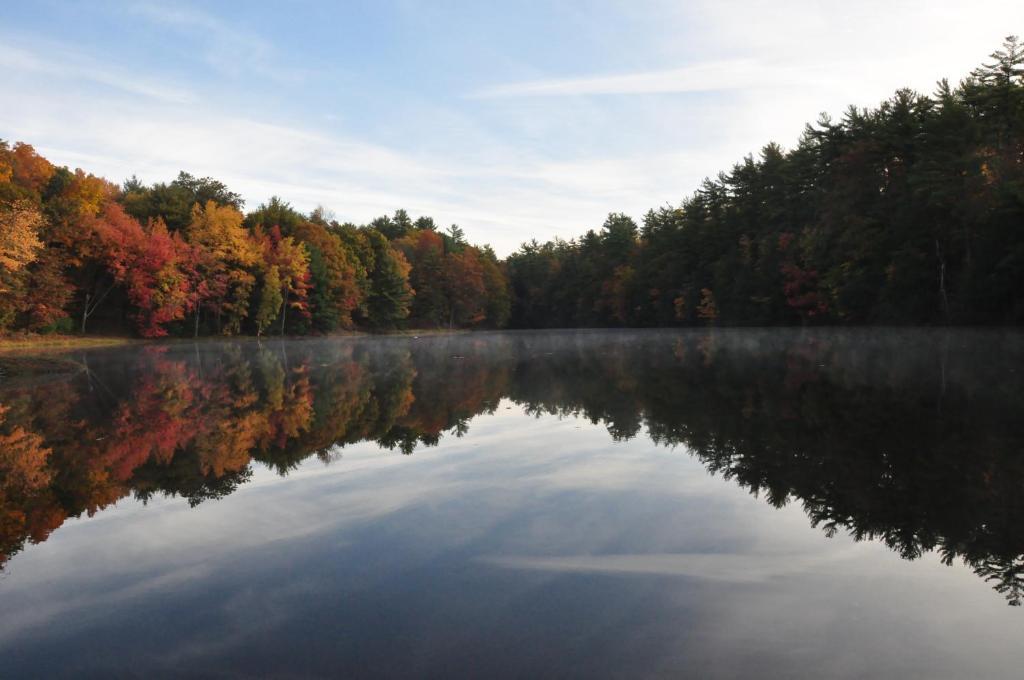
<point>227,256</point>
<point>19,235</point>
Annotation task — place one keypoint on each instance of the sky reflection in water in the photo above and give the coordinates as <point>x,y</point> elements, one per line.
<point>252,510</point>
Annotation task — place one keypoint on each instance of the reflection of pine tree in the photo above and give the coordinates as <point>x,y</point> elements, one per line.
<point>1006,575</point>
<point>873,442</point>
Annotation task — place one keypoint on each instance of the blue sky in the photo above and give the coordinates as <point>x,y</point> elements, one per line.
<point>514,120</point>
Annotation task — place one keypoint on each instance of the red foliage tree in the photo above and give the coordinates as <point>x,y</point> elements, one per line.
<point>152,264</point>
<point>800,285</point>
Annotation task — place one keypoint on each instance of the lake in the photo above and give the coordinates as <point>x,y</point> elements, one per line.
<point>709,504</point>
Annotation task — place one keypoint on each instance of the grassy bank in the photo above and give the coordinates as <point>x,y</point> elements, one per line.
<point>19,344</point>
<point>28,344</point>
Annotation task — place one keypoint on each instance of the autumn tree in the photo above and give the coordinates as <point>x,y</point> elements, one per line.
<point>334,285</point>
<point>20,223</point>
<point>173,201</point>
<point>426,253</point>
<point>291,259</point>
<point>497,290</point>
<point>148,263</point>
<point>465,289</point>
<point>23,172</point>
<point>270,300</point>
<point>225,257</point>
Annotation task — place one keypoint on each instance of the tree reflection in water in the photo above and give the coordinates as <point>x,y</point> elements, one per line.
<point>912,438</point>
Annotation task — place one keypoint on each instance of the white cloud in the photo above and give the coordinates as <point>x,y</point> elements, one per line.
<point>735,568</point>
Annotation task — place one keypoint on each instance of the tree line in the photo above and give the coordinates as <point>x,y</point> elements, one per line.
<point>907,213</point>
<point>181,258</point>
<point>912,212</point>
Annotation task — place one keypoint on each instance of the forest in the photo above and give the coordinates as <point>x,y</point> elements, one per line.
<point>79,253</point>
<point>908,213</point>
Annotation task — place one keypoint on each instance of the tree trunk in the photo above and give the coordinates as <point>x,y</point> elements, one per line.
<point>195,330</point>
<point>284,311</point>
<point>87,310</point>
<point>942,280</point>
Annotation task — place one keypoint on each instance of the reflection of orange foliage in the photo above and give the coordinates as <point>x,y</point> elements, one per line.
<point>465,390</point>
<point>33,518</point>
<point>180,425</point>
<point>403,403</point>
<point>344,396</point>
<point>294,413</point>
<point>22,459</point>
<point>24,481</point>
<point>154,424</point>
<point>43,517</point>
<point>228,447</point>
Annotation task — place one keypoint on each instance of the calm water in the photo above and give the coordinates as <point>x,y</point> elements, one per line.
<point>729,504</point>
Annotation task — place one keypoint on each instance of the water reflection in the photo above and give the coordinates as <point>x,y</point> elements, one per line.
<point>910,438</point>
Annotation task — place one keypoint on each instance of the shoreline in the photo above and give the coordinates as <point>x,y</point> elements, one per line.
<point>29,344</point>
<point>17,344</point>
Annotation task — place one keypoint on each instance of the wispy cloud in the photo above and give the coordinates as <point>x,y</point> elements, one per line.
<point>736,568</point>
<point>226,47</point>
<point>720,75</point>
<point>499,194</point>
<point>74,67</point>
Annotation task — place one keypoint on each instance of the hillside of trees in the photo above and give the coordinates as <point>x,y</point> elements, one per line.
<point>910,213</point>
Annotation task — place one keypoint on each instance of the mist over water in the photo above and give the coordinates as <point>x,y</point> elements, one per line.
<point>791,503</point>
